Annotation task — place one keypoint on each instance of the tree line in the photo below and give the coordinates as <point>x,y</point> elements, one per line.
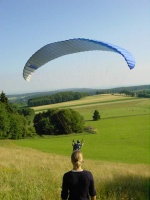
<point>141,93</point>
<point>56,98</point>
<point>144,94</point>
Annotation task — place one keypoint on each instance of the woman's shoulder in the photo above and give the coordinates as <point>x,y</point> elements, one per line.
<point>74,171</point>
<point>87,172</point>
<point>68,172</point>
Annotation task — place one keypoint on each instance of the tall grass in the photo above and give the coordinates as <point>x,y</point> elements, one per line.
<point>122,138</point>
<point>27,174</point>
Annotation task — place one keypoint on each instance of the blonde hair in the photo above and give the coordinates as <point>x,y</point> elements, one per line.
<point>77,158</point>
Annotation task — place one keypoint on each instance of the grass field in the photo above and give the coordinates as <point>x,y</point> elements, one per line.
<point>117,154</point>
<point>28,174</point>
<point>122,134</point>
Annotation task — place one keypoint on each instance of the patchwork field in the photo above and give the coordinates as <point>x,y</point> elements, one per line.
<point>87,101</point>
<point>117,154</point>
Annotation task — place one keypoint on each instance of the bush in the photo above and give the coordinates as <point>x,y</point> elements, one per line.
<point>90,129</point>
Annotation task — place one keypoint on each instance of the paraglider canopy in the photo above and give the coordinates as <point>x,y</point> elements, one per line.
<point>57,49</point>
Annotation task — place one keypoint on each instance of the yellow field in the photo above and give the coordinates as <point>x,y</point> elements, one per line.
<point>87,100</point>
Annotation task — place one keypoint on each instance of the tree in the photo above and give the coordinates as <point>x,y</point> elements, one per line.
<point>42,123</point>
<point>4,122</point>
<point>13,125</point>
<point>96,115</point>
<point>3,98</point>
<point>68,121</point>
<point>55,122</point>
<point>18,127</point>
<point>28,113</point>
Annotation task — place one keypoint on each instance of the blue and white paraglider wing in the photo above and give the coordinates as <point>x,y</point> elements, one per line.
<point>55,50</point>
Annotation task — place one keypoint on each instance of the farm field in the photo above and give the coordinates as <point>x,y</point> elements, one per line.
<point>117,154</point>
<point>87,101</point>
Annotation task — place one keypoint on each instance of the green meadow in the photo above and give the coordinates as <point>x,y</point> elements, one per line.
<point>122,133</point>
<point>117,153</point>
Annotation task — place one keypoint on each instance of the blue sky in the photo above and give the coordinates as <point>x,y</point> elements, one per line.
<point>27,25</point>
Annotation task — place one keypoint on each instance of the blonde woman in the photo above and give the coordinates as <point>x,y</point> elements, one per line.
<point>78,184</point>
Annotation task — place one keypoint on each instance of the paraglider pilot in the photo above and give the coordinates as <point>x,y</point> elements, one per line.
<point>77,145</point>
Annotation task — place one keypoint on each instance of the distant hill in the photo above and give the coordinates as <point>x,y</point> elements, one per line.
<point>130,88</point>
<point>26,96</point>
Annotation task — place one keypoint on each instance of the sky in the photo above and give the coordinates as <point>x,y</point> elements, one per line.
<point>28,25</point>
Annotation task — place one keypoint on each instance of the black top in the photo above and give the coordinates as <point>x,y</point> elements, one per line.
<point>78,185</point>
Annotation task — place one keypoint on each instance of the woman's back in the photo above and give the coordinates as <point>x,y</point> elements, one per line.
<point>78,184</point>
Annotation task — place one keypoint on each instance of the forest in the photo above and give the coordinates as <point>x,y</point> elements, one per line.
<point>56,98</point>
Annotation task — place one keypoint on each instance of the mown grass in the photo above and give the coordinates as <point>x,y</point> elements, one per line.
<point>30,174</point>
<point>122,134</point>
<point>123,144</point>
